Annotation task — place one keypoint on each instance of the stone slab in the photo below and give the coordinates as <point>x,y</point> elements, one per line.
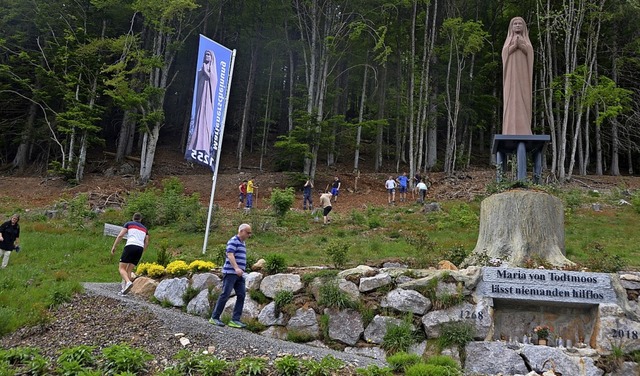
<point>543,285</point>
<point>112,230</point>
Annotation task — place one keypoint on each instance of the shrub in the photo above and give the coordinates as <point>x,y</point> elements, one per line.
<point>275,263</point>
<point>81,354</point>
<point>8,320</point>
<point>401,360</point>
<point>299,337</point>
<point>258,296</point>
<point>325,367</point>
<point>145,203</point>
<point>603,261</point>
<point>374,370</point>
<point>177,268</point>
<point>163,257</point>
<point>422,369</point>
<point>201,266</point>
<point>444,361</point>
<point>251,366</point>
<point>337,252</point>
<point>331,296</point>
<point>456,254</point>
<point>398,337</point>
<point>189,294</point>
<point>281,201</point>
<point>155,271</point>
<point>287,366</point>
<point>122,358</point>
<point>456,334</point>
<point>282,298</point>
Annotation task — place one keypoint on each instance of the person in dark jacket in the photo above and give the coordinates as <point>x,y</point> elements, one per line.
<point>9,238</point>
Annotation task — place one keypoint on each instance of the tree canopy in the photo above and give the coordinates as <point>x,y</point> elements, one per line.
<point>391,84</point>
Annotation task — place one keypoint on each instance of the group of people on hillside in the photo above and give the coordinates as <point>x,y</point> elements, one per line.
<point>401,183</point>
<point>246,190</point>
<point>325,198</point>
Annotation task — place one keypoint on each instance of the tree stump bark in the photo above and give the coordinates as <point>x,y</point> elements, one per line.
<point>519,225</point>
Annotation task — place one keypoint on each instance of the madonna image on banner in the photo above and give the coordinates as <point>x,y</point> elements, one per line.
<point>206,80</point>
<point>209,102</point>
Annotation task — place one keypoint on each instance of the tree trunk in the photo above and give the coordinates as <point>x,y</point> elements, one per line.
<point>148,153</point>
<point>519,225</point>
<point>247,104</point>
<point>363,97</point>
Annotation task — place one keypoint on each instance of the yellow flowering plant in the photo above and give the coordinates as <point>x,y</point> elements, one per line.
<point>201,266</point>
<point>542,331</point>
<point>177,267</point>
<point>155,270</point>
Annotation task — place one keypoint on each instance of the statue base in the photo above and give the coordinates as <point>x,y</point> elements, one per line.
<point>521,145</point>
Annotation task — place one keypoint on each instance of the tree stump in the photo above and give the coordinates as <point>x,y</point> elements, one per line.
<point>519,225</point>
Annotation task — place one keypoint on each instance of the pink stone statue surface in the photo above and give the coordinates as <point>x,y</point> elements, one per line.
<point>517,75</point>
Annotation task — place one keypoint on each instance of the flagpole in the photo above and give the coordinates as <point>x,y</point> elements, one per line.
<point>215,172</point>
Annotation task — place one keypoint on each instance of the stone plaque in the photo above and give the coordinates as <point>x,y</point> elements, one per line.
<point>546,285</point>
<point>112,230</point>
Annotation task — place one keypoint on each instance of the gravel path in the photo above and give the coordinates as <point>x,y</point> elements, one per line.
<point>227,342</point>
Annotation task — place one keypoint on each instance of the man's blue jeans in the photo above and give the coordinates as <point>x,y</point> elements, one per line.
<point>235,283</point>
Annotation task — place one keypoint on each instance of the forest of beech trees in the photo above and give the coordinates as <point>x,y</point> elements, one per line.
<point>411,85</point>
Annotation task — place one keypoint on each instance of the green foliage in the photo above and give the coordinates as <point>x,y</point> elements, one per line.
<point>423,369</point>
<point>337,251</point>
<point>456,254</point>
<point>602,261</point>
<point>251,366</point>
<point>197,364</point>
<point>424,250</point>
<point>22,361</point>
<point>123,358</point>
<point>275,263</point>
<point>290,153</point>
<point>444,361</point>
<point>325,367</point>
<point>287,366</point>
<point>399,337</point>
<point>332,297</point>
<point>299,337</point>
<point>167,206</point>
<point>7,320</point>
<point>81,354</point>
<point>401,360</point>
<point>282,298</point>
<point>78,211</point>
<point>281,201</point>
<point>456,334</point>
<point>163,256</point>
<point>374,370</point>
<point>258,296</point>
<point>573,199</point>
<point>323,274</point>
<point>63,293</point>
<point>189,294</point>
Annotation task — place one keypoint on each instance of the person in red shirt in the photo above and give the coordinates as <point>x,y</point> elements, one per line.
<point>242,188</point>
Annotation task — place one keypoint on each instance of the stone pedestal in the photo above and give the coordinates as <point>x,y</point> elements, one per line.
<point>503,145</point>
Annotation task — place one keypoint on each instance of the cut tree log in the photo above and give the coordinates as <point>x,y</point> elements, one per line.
<point>519,225</point>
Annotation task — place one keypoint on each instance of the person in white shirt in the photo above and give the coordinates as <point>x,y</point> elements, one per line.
<point>391,190</point>
<point>137,242</point>
<point>422,191</point>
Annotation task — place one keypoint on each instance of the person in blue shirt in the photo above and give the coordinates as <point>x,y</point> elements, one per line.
<point>403,181</point>
<point>306,195</point>
<point>233,278</point>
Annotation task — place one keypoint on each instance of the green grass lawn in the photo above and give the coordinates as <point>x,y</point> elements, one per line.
<point>59,254</point>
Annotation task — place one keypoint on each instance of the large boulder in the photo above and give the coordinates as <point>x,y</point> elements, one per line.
<point>344,325</point>
<point>171,291</point>
<point>271,284</point>
<point>406,301</point>
<point>200,305</point>
<point>494,358</point>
